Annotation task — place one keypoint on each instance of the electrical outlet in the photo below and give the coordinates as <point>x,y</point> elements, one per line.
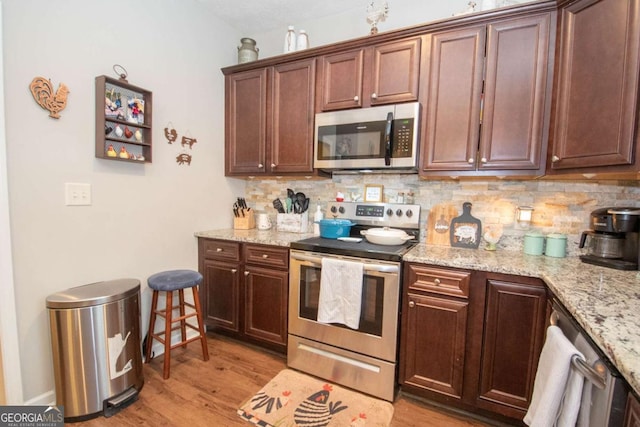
<point>77,194</point>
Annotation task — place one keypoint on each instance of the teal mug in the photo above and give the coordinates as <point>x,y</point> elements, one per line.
<point>533,243</point>
<point>556,245</point>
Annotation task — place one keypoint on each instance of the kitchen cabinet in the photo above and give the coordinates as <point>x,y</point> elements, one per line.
<point>381,74</point>
<point>269,116</point>
<point>244,291</point>
<point>632,413</point>
<point>487,99</point>
<point>471,339</point>
<point>598,72</point>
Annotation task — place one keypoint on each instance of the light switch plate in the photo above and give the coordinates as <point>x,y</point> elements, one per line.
<point>77,194</point>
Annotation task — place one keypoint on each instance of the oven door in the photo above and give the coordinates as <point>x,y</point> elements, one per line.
<point>378,330</point>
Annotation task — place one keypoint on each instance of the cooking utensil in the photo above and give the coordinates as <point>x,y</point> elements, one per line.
<point>386,236</point>
<point>334,228</point>
<point>305,205</point>
<point>288,204</point>
<point>291,194</point>
<point>300,198</point>
<point>277,204</point>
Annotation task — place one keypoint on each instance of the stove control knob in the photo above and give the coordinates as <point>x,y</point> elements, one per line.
<point>399,212</point>
<point>341,209</point>
<point>334,209</point>
<point>389,212</point>
<point>409,213</point>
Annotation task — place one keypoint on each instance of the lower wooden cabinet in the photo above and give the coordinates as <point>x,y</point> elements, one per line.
<point>471,339</point>
<point>245,291</point>
<point>632,413</point>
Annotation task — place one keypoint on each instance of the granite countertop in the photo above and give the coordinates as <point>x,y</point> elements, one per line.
<point>604,301</point>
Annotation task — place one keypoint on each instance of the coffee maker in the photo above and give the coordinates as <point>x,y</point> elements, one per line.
<point>613,238</point>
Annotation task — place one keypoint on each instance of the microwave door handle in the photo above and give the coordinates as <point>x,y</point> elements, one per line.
<point>387,139</point>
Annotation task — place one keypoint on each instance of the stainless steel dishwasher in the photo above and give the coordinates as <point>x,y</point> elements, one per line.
<point>604,393</point>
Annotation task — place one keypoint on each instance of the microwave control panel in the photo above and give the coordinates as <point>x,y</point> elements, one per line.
<point>402,138</point>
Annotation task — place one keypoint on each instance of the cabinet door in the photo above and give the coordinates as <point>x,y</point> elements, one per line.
<point>220,293</point>
<point>597,86</point>
<point>512,341</point>
<point>632,413</point>
<point>395,72</point>
<point>341,84</point>
<point>433,344</point>
<point>452,125</point>
<point>514,117</point>
<point>246,122</point>
<point>293,117</point>
<point>266,296</point>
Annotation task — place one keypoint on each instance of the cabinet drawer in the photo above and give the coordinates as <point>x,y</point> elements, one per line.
<point>439,281</point>
<point>220,249</point>
<point>272,256</point>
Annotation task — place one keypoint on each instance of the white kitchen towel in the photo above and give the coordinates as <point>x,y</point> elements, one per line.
<point>340,297</point>
<point>551,384</point>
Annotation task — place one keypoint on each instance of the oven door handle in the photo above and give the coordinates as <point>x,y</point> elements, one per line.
<point>380,268</point>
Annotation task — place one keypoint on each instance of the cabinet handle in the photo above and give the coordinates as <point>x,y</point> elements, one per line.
<point>273,165</point>
<point>356,98</point>
<point>219,249</point>
<point>483,160</point>
<point>260,166</point>
<point>437,282</point>
<point>471,160</point>
<point>265,256</point>
<point>412,304</point>
<point>374,96</point>
<point>246,273</point>
<point>555,159</point>
<point>234,271</point>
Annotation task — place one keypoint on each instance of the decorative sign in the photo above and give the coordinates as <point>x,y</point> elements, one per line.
<point>53,101</point>
<point>373,193</point>
<point>465,230</point>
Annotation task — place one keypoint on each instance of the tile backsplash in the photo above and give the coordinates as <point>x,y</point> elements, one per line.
<point>559,206</point>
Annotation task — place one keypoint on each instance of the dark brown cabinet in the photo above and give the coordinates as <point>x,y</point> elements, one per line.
<point>269,120</point>
<point>598,72</point>
<point>487,98</point>
<point>471,339</point>
<point>245,290</point>
<point>376,75</point>
<point>632,413</point>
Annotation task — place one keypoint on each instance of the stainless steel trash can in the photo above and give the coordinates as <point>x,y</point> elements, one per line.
<point>95,339</point>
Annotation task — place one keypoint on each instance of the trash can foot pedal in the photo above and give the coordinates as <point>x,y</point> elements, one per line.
<point>121,401</point>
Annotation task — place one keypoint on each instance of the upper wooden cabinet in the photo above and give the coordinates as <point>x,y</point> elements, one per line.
<point>269,120</point>
<point>596,115</point>
<point>486,98</point>
<point>381,74</point>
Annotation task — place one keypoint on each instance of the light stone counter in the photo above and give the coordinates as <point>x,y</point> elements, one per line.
<point>606,302</point>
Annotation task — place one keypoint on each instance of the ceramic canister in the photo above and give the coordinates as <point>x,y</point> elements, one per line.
<point>533,243</point>
<point>556,245</point>
<point>247,51</point>
<point>263,221</point>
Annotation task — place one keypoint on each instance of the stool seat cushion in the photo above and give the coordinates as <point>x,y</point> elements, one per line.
<point>174,279</point>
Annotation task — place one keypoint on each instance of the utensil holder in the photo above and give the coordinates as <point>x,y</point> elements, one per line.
<point>294,223</point>
<point>246,222</point>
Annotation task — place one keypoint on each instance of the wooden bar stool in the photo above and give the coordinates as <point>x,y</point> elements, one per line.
<point>168,282</point>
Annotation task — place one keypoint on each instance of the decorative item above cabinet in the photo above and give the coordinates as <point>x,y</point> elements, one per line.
<point>123,121</point>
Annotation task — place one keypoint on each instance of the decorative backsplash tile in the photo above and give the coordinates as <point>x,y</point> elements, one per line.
<point>559,206</point>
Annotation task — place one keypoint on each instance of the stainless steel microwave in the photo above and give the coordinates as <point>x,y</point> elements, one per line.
<point>377,139</point>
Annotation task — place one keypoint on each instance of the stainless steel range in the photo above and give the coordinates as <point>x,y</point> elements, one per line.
<point>362,356</point>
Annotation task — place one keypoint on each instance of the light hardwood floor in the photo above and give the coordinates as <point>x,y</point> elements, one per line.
<point>202,393</point>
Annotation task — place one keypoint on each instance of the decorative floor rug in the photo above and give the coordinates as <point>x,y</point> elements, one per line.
<point>295,399</point>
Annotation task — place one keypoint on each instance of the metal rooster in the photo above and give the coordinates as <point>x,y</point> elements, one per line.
<point>43,93</point>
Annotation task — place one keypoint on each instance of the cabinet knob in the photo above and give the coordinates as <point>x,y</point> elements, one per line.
<point>260,166</point>
<point>471,160</point>
<point>265,256</point>
<point>219,249</point>
<point>437,282</point>
<point>412,304</point>
<point>356,98</point>
<point>555,159</point>
<point>273,165</point>
<point>234,271</point>
<point>374,96</point>
<point>246,273</point>
<point>483,160</point>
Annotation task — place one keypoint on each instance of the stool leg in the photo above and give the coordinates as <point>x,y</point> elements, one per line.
<point>152,324</point>
<point>203,338</point>
<point>167,334</point>
<point>183,323</point>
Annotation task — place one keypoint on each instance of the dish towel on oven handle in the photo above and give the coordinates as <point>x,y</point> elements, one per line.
<point>340,297</point>
<point>557,390</point>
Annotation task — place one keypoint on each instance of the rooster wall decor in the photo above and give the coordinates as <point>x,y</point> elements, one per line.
<point>47,98</point>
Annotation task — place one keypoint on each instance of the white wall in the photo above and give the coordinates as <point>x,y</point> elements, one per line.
<point>143,216</point>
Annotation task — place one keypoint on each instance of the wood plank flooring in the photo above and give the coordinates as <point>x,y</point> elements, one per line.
<point>202,393</point>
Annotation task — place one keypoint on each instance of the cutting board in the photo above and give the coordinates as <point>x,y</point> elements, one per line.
<point>438,222</point>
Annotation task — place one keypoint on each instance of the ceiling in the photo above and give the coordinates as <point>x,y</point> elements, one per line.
<point>265,15</point>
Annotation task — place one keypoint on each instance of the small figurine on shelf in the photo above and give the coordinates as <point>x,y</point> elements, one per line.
<point>127,132</point>
<point>123,153</point>
<point>138,135</point>
<point>136,110</point>
<point>119,131</point>
<point>111,152</point>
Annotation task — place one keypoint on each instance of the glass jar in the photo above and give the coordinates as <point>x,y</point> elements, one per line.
<point>247,51</point>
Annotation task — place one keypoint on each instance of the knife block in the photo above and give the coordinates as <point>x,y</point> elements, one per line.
<point>246,222</point>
